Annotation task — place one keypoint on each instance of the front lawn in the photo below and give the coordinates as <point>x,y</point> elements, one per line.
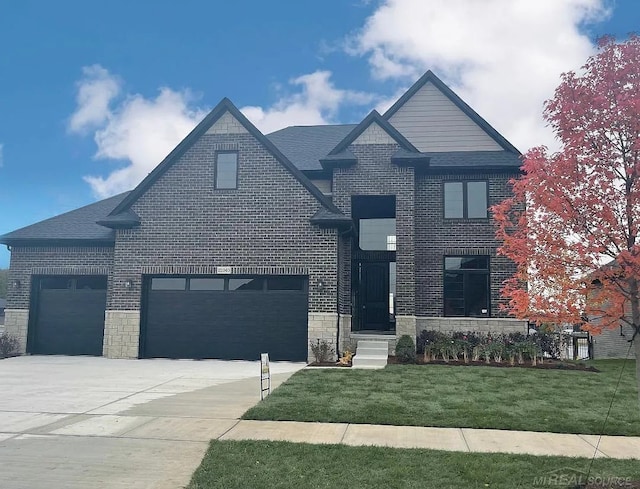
<point>461,396</point>
<point>234,464</point>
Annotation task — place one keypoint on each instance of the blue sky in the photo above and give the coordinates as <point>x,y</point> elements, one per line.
<point>94,94</point>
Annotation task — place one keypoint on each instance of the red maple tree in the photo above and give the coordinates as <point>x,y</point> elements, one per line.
<point>578,208</point>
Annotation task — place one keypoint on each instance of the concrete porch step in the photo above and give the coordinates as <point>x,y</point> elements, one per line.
<point>372,345</point>
<point>371,354</point>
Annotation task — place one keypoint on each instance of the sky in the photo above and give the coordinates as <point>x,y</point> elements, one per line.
<point>93,95</point>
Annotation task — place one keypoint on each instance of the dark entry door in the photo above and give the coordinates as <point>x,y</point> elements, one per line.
<point>69,315</point>
<point>374,296</point>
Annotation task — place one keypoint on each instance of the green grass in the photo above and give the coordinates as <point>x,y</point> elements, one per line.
<point>259,464</point>
<point>560,401</point>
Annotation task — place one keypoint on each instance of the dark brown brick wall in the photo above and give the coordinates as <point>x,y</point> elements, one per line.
<point>437,237</point>
<point>374,174</point>
<point>188,226</point>
<point>28,261</point>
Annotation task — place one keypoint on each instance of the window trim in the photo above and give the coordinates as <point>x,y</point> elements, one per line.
<point>486,272</point>
<point>215,169</point>
<point>465,200</point>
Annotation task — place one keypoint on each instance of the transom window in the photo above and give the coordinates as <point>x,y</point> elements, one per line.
<point>466,286</point>
<point>465,200</point>
<point>226,171</point>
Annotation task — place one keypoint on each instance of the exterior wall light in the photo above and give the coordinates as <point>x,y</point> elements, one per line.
<point>321,285</point>
<point>128,284</point>
<point>15,284</point>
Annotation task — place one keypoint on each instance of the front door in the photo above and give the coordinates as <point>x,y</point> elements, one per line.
<point>374,296</point>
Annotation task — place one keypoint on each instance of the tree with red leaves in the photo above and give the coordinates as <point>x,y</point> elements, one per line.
<point>576,209</point>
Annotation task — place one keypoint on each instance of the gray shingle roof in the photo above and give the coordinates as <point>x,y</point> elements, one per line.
<point>473,159</point>
<point>305,145</point>
<point>79,224</point>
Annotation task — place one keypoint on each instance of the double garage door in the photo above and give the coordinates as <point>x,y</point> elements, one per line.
<point>225,317</point>
<point>182,317</point>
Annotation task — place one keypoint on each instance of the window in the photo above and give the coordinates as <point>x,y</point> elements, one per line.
<point>206,284</point>
<point>226,172</point>
<point>465,200</point>
<point>466,286</point>
<point>169,284</point>
<point>285,283</point>
<point>91,283</point>
<point>378,234</point>
<point>246,284</point>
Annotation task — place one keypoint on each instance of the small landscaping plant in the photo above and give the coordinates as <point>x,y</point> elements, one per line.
<point>8,345</point>
<point>505,349</point>
<point>321,350</point>
<point>406,350</point>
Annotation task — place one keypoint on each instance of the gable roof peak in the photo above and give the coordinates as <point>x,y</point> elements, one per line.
<point>430,76</point>
<point>224,106</point>
<point>374,117</point>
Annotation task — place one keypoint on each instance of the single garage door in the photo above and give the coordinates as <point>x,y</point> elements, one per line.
<point>234,318</point>
<point>69,316</point>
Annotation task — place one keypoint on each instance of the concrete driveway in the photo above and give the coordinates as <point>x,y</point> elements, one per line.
<point>78,422</point>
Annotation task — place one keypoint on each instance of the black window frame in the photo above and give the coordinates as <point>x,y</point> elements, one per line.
<point>465,200</point>
<point>465,273</point>
<point>215,169</point>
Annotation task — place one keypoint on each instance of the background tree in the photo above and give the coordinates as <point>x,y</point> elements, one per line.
<point>4,279</point>
<point>578,208</point>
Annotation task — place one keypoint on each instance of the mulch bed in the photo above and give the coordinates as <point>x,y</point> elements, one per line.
<point>327,364</point>
<point>546,365</point>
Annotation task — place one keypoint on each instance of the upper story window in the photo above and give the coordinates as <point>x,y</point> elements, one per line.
<point>226,171</point>
<point>378,234</point>
<point>466,200</point>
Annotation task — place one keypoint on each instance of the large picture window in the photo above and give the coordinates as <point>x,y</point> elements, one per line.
<point>465,200</point>
<point>466,286</point>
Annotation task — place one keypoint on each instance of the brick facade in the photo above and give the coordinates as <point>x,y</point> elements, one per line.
<point>437,237</point>
<point>188,227</point>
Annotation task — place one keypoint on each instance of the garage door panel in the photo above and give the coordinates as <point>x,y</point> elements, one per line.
<point>230,324</point>
<point>69,321</point>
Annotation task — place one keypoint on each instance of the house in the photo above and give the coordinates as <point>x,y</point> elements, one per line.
<point>3,305</point>
<point>239,242</point>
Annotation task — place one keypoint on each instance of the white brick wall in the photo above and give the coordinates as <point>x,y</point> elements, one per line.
<point>16,322</point>
<point>481,325</point>
<point>121,334</point>
<point>227,124</point>
<point>374,134</point>
<point>322,326</point>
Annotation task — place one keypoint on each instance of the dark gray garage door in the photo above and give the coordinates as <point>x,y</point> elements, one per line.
<point>234,318</point>
<point>69,315</point>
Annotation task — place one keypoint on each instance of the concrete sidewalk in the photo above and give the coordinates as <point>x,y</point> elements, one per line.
<point>450,439</point>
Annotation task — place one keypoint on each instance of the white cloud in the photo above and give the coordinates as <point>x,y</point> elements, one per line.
<point>317,102</point>
<point>504,57</point>
<point>131,128</point>
<point>141,131</point>
<point>96,90</point>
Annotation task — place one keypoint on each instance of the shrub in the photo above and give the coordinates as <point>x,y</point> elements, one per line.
<point>406,350</point>
<point>321,350</point>
<point>8,345</point>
